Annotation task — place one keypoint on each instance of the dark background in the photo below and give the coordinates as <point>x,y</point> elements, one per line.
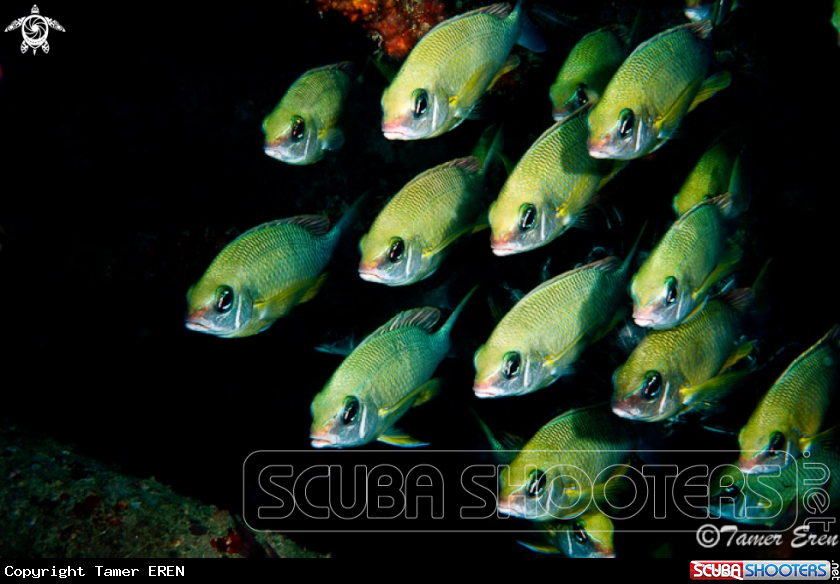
<point>132,153</point>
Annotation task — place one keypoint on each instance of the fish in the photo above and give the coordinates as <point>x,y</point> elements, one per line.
<point>590,535</point>
<point>720,170</point>
<point>686,368</point>
<point>770,499</point>
<point>440,82</point>
<point>387,374</point>
<point>715,11</point>
<point>304,125</point>
<point>262,274</point>
<point>673,283</point>
<point>567,465</point>
<point>662,80</point>
<point>415,231</point>
<point>549,189</point>
<point>542,336</point>
<point>587,69</point>
<point>788,418</point>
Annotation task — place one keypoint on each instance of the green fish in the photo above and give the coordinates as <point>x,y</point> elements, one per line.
<point>305,124</point>
<point>664,78</point>
<point>767,499</point>
<point>415,231</point>
<point>671,372</point>
<point>590,535</point>
<point>451,67</point>
<point>258,277</point>
<point>719,171</point>
<point>387,374</point>
<point>695,253</point>
<point>543,335</point>
<point>567,465</point>
<point>551,186</point>
<point>789,416</point>
<point>587,70</point>
<point>715,11</point>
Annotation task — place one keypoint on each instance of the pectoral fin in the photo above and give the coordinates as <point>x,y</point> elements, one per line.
<point>742,351</point>
<point>710,86</point>
<point>540,548</point>
<point>332,139</point>
<point>396,437</point>
<point>728,263</point>
<point>708,394</point>
<point>417,397</point>
<point>665,125</point>
<point>280,301</point>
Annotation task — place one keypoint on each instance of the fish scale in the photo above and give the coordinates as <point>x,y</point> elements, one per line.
<point>432,206</point>
<point>689,251</point>
<point>660,69</point>
<point>557,176</point>
<point>463,43</point>
<point>321,91</point>
<point>278,257</point>
<point>798,400</point>
<point>552,325</point>
<point>697,349</point>
<point>585,442</point>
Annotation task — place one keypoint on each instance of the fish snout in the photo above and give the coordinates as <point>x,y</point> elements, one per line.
<point>625,409</point>
<point>394,130</point>
<point>322,439</point>
<point>370,272</point>
<point>502,245</point>
<point>598,147</point>
<point>486,389</point>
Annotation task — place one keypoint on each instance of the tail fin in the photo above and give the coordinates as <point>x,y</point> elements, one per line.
<point>489,146</point>
<point>447,326</point>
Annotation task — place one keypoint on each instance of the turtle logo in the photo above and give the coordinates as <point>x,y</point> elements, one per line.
<point>35,28</point>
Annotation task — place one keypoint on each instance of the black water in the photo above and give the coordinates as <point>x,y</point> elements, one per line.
<point>131,153</point>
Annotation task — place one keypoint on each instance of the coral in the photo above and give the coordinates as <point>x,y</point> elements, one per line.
<point>55,503</point>
<point>396,25</point>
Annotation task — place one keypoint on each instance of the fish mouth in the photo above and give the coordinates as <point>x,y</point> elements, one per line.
<point>487,391</point>
<point>503,249</point>
<point>370,276</point>
<point>598,149</point>
<point>322,440</point>
<point>194,325</point>
<point>623,412</point>
<point>644,321</point>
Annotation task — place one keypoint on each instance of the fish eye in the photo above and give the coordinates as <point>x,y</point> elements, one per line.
<point>298,128</point>
<point>651,386</point>
<point>527,216</point>
<point>351,410</point>
<point>420,101</point>
<point>732,492</point>
<point>395,252</point>
<point>626,122</point>
<point>777,444</point>
<point>224,298</point>
<point>580,95</point>
<point>536,483</point>
<point>510,365</point>
<point>670,290</point>
<point>579,532</point>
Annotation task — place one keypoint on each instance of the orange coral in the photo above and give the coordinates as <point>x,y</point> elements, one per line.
<point>396,25</point>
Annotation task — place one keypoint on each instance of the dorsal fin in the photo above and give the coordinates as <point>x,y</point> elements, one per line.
<point>424,318</point>
<point>608,264</point>
<point>347,66</point>
<point>469,164</point>
<point>315,224</point>
<point>578,112</point>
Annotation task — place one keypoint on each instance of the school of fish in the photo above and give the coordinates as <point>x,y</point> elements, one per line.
<point>615,100</point>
